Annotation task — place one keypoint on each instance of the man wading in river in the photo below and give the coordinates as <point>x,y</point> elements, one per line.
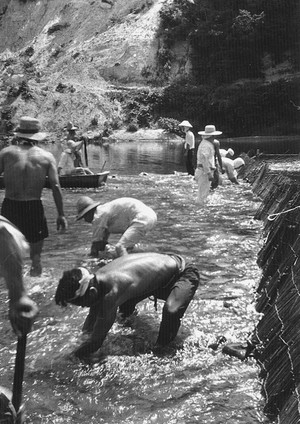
<point>126,215</point>
<point>25,167</point>
<point>122,284</point>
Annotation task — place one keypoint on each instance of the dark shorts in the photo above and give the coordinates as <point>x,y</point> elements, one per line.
<point>28,216</point>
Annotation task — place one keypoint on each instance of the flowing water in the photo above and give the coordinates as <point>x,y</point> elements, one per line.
<point>191,383</point>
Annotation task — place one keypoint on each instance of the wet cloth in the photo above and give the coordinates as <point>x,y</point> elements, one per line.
<point>177,293</point>
<point>127,216</point>
<point>28,216</point>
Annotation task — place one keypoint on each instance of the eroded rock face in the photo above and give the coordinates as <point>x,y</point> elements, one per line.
<point>82,46</point>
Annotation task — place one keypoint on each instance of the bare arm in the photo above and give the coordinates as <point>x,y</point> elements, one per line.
<point>100,330</point>
<point>22,310</point>
<point>57,194</point>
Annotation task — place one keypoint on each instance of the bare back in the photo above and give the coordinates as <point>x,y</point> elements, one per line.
<point>137,274</point>
<point>25,169</point>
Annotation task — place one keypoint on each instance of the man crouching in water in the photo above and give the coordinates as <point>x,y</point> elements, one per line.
<point>122,284</point>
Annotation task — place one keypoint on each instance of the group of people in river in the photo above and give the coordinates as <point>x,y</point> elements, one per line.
<point>208,162</point>
<point>115,288</point>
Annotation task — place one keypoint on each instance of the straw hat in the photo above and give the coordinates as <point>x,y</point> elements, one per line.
<point>185,124</point>
<point>230,152</point>
<point>84,205</point>
<point>238,162</point>
<point>29,128</point>
<point>210,130</point>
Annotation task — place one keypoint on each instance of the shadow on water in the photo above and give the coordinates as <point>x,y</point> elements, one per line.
<point>191,383</point>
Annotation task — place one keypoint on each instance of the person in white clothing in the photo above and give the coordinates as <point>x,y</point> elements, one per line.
<point>127,216</point>
<point>230,167</point>
<point>68,164</point>
<point>189,146</point>
<point>227,153</point>
<point>206,165</point>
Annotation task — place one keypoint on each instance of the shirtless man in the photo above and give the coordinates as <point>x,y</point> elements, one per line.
<point>13,246</point>
<point>25,167</point>
<point>122,284</point>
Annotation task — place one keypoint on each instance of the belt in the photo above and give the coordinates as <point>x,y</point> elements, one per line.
<point>199,165</point>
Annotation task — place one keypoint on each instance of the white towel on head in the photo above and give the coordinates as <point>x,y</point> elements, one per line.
<point>84,282</point>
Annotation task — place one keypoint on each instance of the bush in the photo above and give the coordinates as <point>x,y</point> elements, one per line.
<point>170,125</point>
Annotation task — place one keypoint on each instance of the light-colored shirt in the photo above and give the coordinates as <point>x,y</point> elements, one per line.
<point>66,162</point>
<point>223,153</point>
<point>228,166</point>
<point>189,140</point>
<point>206,156</point>
<point>116,216</point>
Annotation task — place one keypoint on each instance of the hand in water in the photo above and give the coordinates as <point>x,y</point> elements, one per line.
<point>61,223</point>
<point>22,314</point>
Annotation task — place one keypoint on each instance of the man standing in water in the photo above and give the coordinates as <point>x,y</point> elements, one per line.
<point>25,167</point>
<point>206,163</point>
<point>189,146</point>
<point>126,215</point>
<point>122,284</point>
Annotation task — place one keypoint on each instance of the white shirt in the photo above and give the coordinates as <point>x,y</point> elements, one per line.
<point>116,216</point>
<point>206,156</point>
<point>66,162</point>
<point>189,140</point>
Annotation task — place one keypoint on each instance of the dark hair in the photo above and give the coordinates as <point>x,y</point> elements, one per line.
<point>67,286</point>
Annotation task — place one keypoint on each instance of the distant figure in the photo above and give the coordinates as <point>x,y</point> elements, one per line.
<point>71,129</point>
<point>69,162</point>
<point>219,168</point>
<point>206,162</point>
<point>227,153</point>
<point>189,146</point>
<point>122,284</point>
<point>13,247</point>
<point>127,216</point>
<point>230,167</point>
<point>26,167</point>
<point>239,165</point>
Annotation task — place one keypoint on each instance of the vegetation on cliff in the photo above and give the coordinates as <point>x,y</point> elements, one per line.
<point>150,63</point>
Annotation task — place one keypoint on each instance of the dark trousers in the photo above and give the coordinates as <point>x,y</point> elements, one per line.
<point>177,295</point>
<point>190,162</point>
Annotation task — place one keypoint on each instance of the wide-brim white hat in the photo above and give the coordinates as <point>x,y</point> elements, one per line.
<point>210,130</point>
<point>185,124</point>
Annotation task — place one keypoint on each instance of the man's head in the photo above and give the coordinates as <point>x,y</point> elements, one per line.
<point>30,129</point>
<point>71,128</point>
<point>86,208</point>
<point>185,125</point>
<point>230,153</point>
<point>78,287</point>
<point>238,163</point>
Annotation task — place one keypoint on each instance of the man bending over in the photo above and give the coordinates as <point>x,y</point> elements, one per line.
<point>123,283</point>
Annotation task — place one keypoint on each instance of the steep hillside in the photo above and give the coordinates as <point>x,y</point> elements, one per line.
<point>59,58</point>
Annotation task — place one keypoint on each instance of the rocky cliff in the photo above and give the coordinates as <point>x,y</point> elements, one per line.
<point>60,58</point>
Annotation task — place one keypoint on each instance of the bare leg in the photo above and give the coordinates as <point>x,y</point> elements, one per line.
<point>35,256</point>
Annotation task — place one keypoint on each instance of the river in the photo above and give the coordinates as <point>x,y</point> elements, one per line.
<point>191,383</point>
